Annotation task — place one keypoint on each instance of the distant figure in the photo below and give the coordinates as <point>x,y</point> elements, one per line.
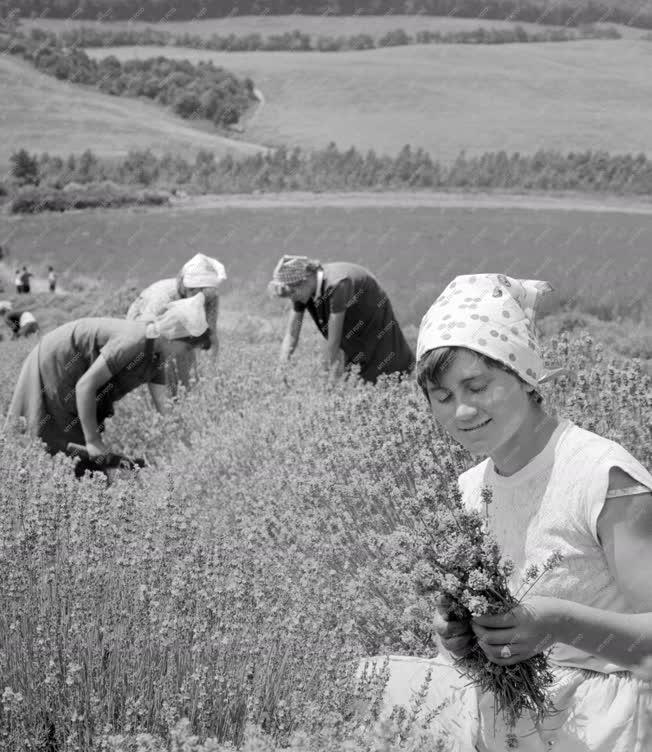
<point>200,274</point>
<point>52,279</point>
<point>24,279</point>
<point>19,282</point>
<point>21,323</point>
<point>350,309</point>
<point>70,381</point>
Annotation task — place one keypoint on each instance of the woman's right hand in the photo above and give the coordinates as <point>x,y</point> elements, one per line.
<point>456,636</point>
<point>96,449</point>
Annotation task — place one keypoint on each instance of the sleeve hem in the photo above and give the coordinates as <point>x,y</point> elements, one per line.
<point>601,486</point>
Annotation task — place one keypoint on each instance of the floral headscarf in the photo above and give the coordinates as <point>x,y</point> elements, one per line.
<point>491,314</point>
<point>292,270</point>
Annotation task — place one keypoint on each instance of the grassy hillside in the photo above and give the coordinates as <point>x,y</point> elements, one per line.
<point>313,25</point>
<point>41,113</point>
<point>571,96</point>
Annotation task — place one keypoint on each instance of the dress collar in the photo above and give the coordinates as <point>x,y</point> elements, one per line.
<point>319,288</point>
<point>539,462</point>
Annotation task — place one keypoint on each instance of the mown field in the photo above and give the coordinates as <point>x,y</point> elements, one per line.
<point>598,262</point>
<point>447,98</point>
<point>40,113</point>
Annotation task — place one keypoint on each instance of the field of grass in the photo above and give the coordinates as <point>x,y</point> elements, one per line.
<point>597,262</point>
<point>267,25</point>
<point>40,113</point>
<point>447,98</point>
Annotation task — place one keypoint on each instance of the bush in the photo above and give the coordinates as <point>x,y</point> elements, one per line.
<point>178,83</point>
<point>91,196</point>
<point>330,169</point>
<point>24,168</point>
<point>236,581</point>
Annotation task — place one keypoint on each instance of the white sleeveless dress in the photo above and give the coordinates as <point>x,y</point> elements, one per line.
<point>552,503</point>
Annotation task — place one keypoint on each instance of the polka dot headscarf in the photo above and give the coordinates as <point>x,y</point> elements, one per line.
<point>490,314</point>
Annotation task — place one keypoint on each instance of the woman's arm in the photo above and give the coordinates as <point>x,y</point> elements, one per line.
<point>623,639</point>
<point>334,359</point>
<point>159,395</point>
<point>625,533</point>
<point>291,338</point>
<point>215,344</point>
<point>624,530</point>
<point>86,391</point>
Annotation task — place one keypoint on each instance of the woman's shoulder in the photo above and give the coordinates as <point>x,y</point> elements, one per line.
<point>161,288</point>
<point>583,470</point>
<point>335,271</point>
<point>587,449</point>
<point>154,299</point>
<point>103,328</point>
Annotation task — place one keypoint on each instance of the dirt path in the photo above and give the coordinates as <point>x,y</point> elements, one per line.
<point>565,202</point>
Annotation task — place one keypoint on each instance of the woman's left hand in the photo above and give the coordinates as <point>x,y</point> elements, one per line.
<point>519,634</point>
<point>96,449</point>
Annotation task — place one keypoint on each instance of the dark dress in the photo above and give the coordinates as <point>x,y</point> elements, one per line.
<point>25,279</point>
<point>12,320</point>
<point>64,355</point>
<point>371,337</point>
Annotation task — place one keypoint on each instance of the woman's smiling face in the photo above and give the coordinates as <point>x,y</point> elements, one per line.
<point>480,406</point>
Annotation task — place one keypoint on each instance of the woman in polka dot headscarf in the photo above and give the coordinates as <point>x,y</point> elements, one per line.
<point>555,488</point>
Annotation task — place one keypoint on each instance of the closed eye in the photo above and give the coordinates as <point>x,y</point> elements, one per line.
<point>478,389</point>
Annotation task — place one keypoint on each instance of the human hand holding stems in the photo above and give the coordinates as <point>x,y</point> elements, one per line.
<point>96,448</point>
<point>456,636</point>
<point>524,631</point>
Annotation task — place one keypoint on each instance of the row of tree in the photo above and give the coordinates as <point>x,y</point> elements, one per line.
<point>331,169</point>
<point>192,91</point>
<point>563,13</point>
<point>297,41</point>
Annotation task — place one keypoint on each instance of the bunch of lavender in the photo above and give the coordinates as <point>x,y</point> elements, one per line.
<point>458,559</point>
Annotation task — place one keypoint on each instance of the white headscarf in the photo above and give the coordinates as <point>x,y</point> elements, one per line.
<point>491,314</point>
<point>203,271</point>
<point>182,318</point>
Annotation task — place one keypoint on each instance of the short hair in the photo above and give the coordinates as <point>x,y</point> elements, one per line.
<point>434,363</point>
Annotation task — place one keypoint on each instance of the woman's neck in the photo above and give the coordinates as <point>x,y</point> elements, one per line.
<point>530,439</point>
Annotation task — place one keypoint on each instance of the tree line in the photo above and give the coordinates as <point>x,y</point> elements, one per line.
<point>297,41</point>
<point>40,177</point>
<point>191,91</point>
<point>630,12</point>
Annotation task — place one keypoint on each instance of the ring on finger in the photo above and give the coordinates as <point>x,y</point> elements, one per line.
<point>505,652</point>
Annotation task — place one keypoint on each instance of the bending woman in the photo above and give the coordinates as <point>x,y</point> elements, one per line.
<point>350,309</point>
<point>200,274</point>
<point>556,487</point>
<point>70,381</point>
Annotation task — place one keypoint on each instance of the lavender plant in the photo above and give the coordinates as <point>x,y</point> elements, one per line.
<point>237,580</point>
<point>459,560</point>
